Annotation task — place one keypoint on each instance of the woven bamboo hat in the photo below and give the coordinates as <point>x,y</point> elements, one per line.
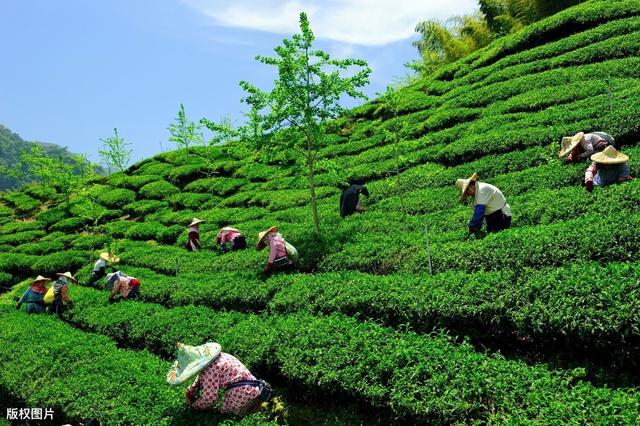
<point>263,234</point>
<point>40,279</point>
<point>609,156</point>
<point>192,360</point>
<point>569,142</point>
<point>67,275</point>
<point>196,221</point>
<point>227,229</point>
<point>109,257</point>
<point>463,184</point>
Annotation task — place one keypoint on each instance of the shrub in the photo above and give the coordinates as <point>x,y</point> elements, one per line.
<point>52,215</point>
<point>216,185</point>
<point>22,203</point>
<point>70,224</point>
<point>144,207</point>
<point>21,237</point>
<point>194,201</point>
<point>158,190</point>
<point>114,198</point>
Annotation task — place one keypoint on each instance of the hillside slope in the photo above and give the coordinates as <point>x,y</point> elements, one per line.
<point>538,323</point>
<point>12,146</point>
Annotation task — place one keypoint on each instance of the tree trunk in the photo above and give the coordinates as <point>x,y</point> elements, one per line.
<point>312,186</point>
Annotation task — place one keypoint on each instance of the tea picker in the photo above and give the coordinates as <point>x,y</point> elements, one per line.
<point>216,371</point>
<point>193,242</point>
<point>581,146</point>
<point>120,284</point>
<point>350,199</point>
<point>57,295</point>
<point>609,166</point>
<point>282,255</point>
<point>100,267</point>
<point>488,202</point>
<point>34,295</point>
<point>231,239</point>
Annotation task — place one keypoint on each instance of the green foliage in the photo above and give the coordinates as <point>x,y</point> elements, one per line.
<point>115,152</point>
<point>306,94</point>
<point>113,197</point>
<point>384,363</point>
<point>70,224</point>
<point>139,392</point>
<point>158,190</point>
<point>22,203</point>
<point>216,185</point>
<point>144,207</point>
<point>21,237</point>
<point>184,132</point>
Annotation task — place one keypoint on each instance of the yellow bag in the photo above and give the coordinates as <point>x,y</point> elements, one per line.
<point>49,296</point>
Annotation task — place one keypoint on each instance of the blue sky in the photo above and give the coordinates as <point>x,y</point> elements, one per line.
<point>75,69</point>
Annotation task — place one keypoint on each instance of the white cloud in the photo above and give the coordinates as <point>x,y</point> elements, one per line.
<point>361,22</point>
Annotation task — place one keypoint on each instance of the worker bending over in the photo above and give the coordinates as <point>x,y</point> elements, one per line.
<point>488,202</point>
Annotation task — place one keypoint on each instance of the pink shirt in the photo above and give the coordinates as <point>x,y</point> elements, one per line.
<point>277,249</point>
<point>228,236</point>
<point>226,369</point>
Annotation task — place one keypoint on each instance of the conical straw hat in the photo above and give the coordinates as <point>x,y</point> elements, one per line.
<point>609,156</point>
<point>192,360</point>
<point>40,279</point>
<point>196,221</point>
<point>569,142</point>
<point>68,275</point>
<point>263,234</point>
<point>109,257</point>
<point>463,184</point>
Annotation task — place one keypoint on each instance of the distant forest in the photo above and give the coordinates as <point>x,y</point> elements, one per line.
<point>12,145</point>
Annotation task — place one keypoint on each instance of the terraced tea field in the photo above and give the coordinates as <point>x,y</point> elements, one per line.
<point>539,323</point>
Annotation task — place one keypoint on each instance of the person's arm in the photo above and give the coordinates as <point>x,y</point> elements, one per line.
<point>208,395</point>
<point>588,176</point>
<point>115,289</point>
<point>273,248</point>
<point>588,150</point>
<point>476,220</point>
<point>64,293</point>
<point>21,301</point>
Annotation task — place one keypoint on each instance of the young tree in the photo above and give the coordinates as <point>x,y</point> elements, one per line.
<point>223,131</point>
<point>115,152</point>
<point>306,94</point>
<point>184,132</point>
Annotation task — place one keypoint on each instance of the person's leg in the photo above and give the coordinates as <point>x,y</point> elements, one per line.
<point>494,221</point>
<point>506,221</point>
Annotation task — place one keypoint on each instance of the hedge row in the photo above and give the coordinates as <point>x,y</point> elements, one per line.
<point>421,377</point>
<point>57,375</point>
<point>584,304</point>
<point>591,236</point>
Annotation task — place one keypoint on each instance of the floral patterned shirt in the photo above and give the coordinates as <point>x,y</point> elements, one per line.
<point>226,369</point>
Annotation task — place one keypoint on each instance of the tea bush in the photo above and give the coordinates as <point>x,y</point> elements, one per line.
<point>158,190</point>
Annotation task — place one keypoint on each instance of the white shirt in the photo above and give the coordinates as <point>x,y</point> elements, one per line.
<point>492,198</point>
<point>101,263</point>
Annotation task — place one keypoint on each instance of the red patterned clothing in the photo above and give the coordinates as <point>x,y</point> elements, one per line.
<point>226,369</point>
<point>125,286</point>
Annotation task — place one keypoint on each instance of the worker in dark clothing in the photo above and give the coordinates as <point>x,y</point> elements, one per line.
<point>350,199</point>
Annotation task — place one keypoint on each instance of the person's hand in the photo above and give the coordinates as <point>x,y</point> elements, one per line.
<point>18,306</point>
<point>473,230</point>
<point>268,267</point>
<point>588,186</point>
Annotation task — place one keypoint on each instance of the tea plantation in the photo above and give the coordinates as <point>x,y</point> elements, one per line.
<point>397,315</point>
